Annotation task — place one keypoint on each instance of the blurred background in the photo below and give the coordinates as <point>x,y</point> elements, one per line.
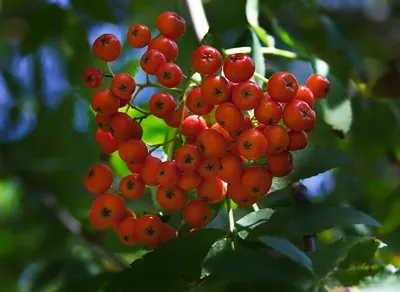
<point>47,130</point>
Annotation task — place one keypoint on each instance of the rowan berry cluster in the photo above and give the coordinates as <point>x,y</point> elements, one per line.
<point>249,143</point>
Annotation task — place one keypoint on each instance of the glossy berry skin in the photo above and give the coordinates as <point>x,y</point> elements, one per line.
<point>149,169</point>
<point>174,119</point>
<point>245,126</point>
<point>162,104</point>
<point>138,36</point>
<point>247,95</point>
<point>196,213</point>
<point>257,181</point>
<point>171,199</point>
<point>196,104</point>
<point>239,195</point>
<point>98,179</point>
<point>187,157</point>
<point>168,233</point>
<point>124,101</point>
<point>123,85</point>
<point>123,127</point>
<point>277,137</point>
<point>169,75</point>
<point>151,61</point>
<point>252,144</point>
<point>148,229</point>
<point>297,140</point>
<point>193,125</point>
<point>171,25</point>
<point>214,89</point>
<point>239,67</point>
<point>306,95</point>
<point>107,143</point>
<point>189,180</point>
<point>298,116</point>
<point>211,144</point>
<point>206,60</point>
<point>107,211</point>
<point>268,111</point>
<point>132,186</point>
<point>280,164</point>
<point>166,46</point>
<point>229,116</point>
<point>231,168</point>
<point>107,48</point>
<point>319,86</point>
<point>126,231</point>
<point>133,150</point>
<point>92,77</point>
<point>282,86</point>
<point>168,174</point>
<point>105,102</point>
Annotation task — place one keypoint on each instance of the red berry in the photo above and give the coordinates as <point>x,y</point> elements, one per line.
<point>206,60</point>
<point>257,181</point>
<point>123,127</point>
<point>239,195</point>
<point>214,89</point>
<point>138,36</point>
<point>268,112</point>
<point>123,85</point>
<point>196,213</point>
<point>297,140</point>
<point>229,116</point>
<point>192,126</point>
<point>187,157</point>
<point>196,104</point>
<point>106,142</point>
<point>149,170</point>
<point>103,122</point>
<point>98,178</point>
<point>209,167</point>
<point>319,86</point>
<point>105,102</point>
<point>171,25</point>
<point>169,75</point>
<point>168,174</point>
<point>252,144</point>
<point>171,199</point>
<point>280,164</point>
<point>162,104</point>
<point>282,86</point>
<point>92,77</point>
<point>247,95</point>
<point>151,61</point>
<point>305,94</point>
<point>107,211</point>
<point>239,67</point>
<point>277,137</point>
<point>132,186</point>
<point>126,231</point>
<point>212,190</point>
<point>166,46</point>
<point>174,119</point>
<point>189,180</point>
<point>133,151</point>
<point>245,126</point>
<point>231,168</point>
<point>211,144</point>
<point>298,116</point>
<point>107,48</point>
<point>149,229</point>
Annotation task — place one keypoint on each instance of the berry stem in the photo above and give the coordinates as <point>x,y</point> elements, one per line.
<point>191,79</point>
<point>140,110</point>
<point>115,190</point>
<point>171,147</point>
<point>270,51</point>
<point>156,146</point>
<point>107,75</point>
<point>110,70</point>
<point>156,85</point>
<point>231,218</point>
<point>182,105</point>
<point>262,78</point>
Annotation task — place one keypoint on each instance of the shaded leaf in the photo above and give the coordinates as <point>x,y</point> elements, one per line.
<point>288,249</point>
<point>310,219</point>
<point>255,218</point>
<point>354,276</point>
<point>211,39</point>
<point>174,264</point>
<point>258,57</point>
<point>361,253</point>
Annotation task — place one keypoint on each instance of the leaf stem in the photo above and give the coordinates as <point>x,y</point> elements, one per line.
<point>156,146</point>
<point>262,78</point>
<point>109,69</point>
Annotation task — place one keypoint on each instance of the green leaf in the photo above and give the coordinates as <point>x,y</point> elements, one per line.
<point>361,253</point>
<point>340,116</point>
<point>47,21</point>
<point>253,219</point>
<point>174,264</point>
<point>288,249</point>
<point>258,57</point>
<point>310,219</point>
<point>249,265</point>
<point>103,11</point>
<point>354,276</point>
<point>252,15</point>
<point>326,259</point>
<point>211,39</point>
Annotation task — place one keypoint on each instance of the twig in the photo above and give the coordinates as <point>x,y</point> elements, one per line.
<point>156,146</point>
